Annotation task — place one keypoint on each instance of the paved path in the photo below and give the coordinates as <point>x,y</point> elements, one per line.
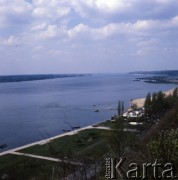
<point>46,158</point>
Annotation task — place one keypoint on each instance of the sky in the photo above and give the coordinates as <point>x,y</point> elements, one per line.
<point>87,36</point>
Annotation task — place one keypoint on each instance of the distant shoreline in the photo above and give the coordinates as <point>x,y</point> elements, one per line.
<point>22,78</point>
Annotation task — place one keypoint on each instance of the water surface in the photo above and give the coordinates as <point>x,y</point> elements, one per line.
<point>34,110</point>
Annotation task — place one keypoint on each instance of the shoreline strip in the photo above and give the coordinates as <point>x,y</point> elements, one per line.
<point>44,141</point>
<point>140,102</point>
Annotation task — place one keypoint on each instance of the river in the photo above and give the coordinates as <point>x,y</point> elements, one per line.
<point>35,110</point>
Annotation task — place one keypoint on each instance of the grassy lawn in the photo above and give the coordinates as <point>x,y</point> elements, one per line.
<point>90,142</point>
<point>26,168</point>
<point>88,146</point>
<point>107,124</point>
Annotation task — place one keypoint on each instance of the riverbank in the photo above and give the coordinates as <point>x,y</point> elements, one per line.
<point>45,141</point>
<point>70,151</point>
<point>140,102</point>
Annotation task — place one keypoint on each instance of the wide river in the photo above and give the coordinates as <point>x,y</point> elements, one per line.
<point>35,110</point>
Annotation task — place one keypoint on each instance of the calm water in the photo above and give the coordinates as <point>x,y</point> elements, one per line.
<point>34,110</point>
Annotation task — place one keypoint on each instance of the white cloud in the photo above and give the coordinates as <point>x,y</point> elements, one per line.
<point>112,6</point>
<point>140,28</point>
<point>49,32</point>
<point>37,27</point>
<point>11,40</point>
<point>46,31</point>
<point>148,43</point>
<point>78,30</point>
<point>92,8</point>
<point>142,24</point>
<point>109,30</point>
<point>79,27</point>
<point>174,21</point>
<point>40,12</point>
<point>14,12</point>
<point>53,9</point>
<point>85,31</point>
<point>158,25</point>
<point>147,50</point>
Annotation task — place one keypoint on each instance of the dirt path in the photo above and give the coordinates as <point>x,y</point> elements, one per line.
<point>46,158</point>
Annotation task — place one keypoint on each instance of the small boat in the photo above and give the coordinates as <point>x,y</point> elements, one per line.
<point>97,110</point>
<point>66,130</point>
<point>95,125</point>
<point>3,146</point>
<point>75,127</point>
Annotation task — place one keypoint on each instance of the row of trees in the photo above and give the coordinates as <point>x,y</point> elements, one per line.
<point>158,142</point>
<point>158,103</point>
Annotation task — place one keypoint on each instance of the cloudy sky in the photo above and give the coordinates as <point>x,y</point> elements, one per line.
<point>86,36</point>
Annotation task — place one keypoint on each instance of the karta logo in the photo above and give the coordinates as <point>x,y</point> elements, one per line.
<point>115,168</point>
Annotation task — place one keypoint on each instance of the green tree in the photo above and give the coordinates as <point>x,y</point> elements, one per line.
<point>165,147</point>
<point>122,107</point>
<point>148,105</point>
<point>175,93</point>
<point>119,108</point>
<point>154,103</point>
<point>175,96</point>
<point>161,103</point>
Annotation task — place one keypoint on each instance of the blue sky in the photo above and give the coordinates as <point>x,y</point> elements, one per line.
<point>87,36</point>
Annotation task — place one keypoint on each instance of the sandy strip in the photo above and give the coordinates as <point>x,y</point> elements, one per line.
<point>140,102</point>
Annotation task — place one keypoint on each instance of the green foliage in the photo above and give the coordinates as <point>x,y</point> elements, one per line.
<point>22,168</point>
<point>175,93</point>
<point>175,96</point>
<point>165,147</point>
<point>154,103</point>
<point>120,108</point>
<point>157,103</point>
<point>119,138</point>
<point>148,105</point>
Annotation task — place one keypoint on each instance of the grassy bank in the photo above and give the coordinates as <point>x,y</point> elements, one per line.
<point>87,147</point>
